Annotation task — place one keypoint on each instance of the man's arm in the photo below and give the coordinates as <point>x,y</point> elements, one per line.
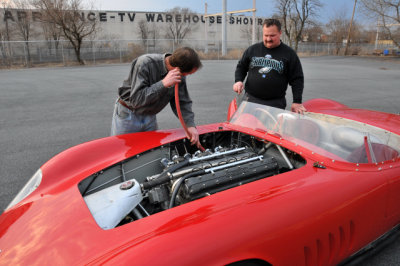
<point>143,92</point>
<point>241,72</point>
<point>296,81</point>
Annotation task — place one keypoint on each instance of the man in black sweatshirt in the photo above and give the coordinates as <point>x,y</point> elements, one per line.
<point>270,66</point>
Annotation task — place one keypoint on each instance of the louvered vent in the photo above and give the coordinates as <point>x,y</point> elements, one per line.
<point>327,248</point>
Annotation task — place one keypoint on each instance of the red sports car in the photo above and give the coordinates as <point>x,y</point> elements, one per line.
<point>271,188</point>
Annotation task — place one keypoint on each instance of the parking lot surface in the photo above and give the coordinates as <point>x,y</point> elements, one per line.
<point>44,111</point>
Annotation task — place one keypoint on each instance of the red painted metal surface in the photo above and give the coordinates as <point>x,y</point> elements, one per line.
<point>390,122</point>
<point>309,216</point>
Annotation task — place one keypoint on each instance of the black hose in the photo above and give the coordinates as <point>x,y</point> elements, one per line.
<point>179,183</point>
<point>164,176</point>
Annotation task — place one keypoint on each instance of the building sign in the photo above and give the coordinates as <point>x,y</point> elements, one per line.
<point>104,17</point>
<point>125,25</point>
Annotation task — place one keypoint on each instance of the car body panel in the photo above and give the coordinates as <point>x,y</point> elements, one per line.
<point>390,122</point>
<point>314,215</point>
<point>169,230</point>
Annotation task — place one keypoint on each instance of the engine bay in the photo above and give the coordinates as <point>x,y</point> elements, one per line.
<point>178,173</point>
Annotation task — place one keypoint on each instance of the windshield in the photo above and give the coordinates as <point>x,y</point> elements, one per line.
<point>334,137</point>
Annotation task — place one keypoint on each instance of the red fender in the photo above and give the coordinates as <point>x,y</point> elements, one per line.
<point>318,104</point>
<point>232,108</point>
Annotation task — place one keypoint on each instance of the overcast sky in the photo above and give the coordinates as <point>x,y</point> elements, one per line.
<point>265,8</point>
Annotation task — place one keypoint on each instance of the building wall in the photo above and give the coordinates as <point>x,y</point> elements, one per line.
<point>124,25</point>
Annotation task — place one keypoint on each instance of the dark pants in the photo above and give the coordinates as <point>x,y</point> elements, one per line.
<point>278,103</point>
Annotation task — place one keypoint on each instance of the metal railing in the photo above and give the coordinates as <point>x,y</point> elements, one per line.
<point>118,51</point>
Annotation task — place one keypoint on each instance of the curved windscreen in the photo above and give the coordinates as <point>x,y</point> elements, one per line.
<point>334,137</point>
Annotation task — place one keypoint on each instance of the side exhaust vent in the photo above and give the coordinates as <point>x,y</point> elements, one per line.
<point>328,248</point>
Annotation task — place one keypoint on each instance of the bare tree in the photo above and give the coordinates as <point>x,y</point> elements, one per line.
<point>3,47</point>
<point>178,24</point>
<point>369,34</point>
<point>143,29</point>
<point>337,28</point>
<point>52,33</point>
<point>6,30</point>
<point>24,25</point>
<point>5,35</point>
<point>247,32</point>
<point>337,33</point>
<point>313,33</point>
<point>387,13</point>
<point>67,15</point>
<point>295,15</point>
<point>148,33</point>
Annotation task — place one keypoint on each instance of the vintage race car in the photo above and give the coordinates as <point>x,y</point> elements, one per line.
<point>271,188</point>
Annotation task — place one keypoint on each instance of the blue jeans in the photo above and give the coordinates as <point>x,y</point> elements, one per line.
<point>125,121</point>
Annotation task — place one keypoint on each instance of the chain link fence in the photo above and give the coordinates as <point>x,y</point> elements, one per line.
<point>20,53</point>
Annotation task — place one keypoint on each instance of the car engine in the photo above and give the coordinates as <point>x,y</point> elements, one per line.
<point>178,173</point>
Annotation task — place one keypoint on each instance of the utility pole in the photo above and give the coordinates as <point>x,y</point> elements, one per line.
<point>205,30</point>
<point>253,34</point>
<point>351,23</point>
<point>377,30</point>
<point>224,21</point>
<point>377,34</point>
<point>223,27</point>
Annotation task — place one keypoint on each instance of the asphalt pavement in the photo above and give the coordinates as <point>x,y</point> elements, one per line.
<point>44,111</point>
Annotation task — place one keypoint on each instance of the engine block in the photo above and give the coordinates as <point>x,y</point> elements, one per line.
<point>231,176</point>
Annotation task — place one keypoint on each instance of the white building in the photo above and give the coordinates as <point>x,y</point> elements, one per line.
<point>124,25</point>
<point>123,34</point>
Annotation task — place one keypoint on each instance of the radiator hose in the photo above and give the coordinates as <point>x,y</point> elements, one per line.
<point>178,109</point>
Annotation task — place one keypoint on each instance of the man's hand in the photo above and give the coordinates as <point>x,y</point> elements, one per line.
<point>174,76</point>
<point>194,137</point>
<point>298,108</point>
<point>238,87</point>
